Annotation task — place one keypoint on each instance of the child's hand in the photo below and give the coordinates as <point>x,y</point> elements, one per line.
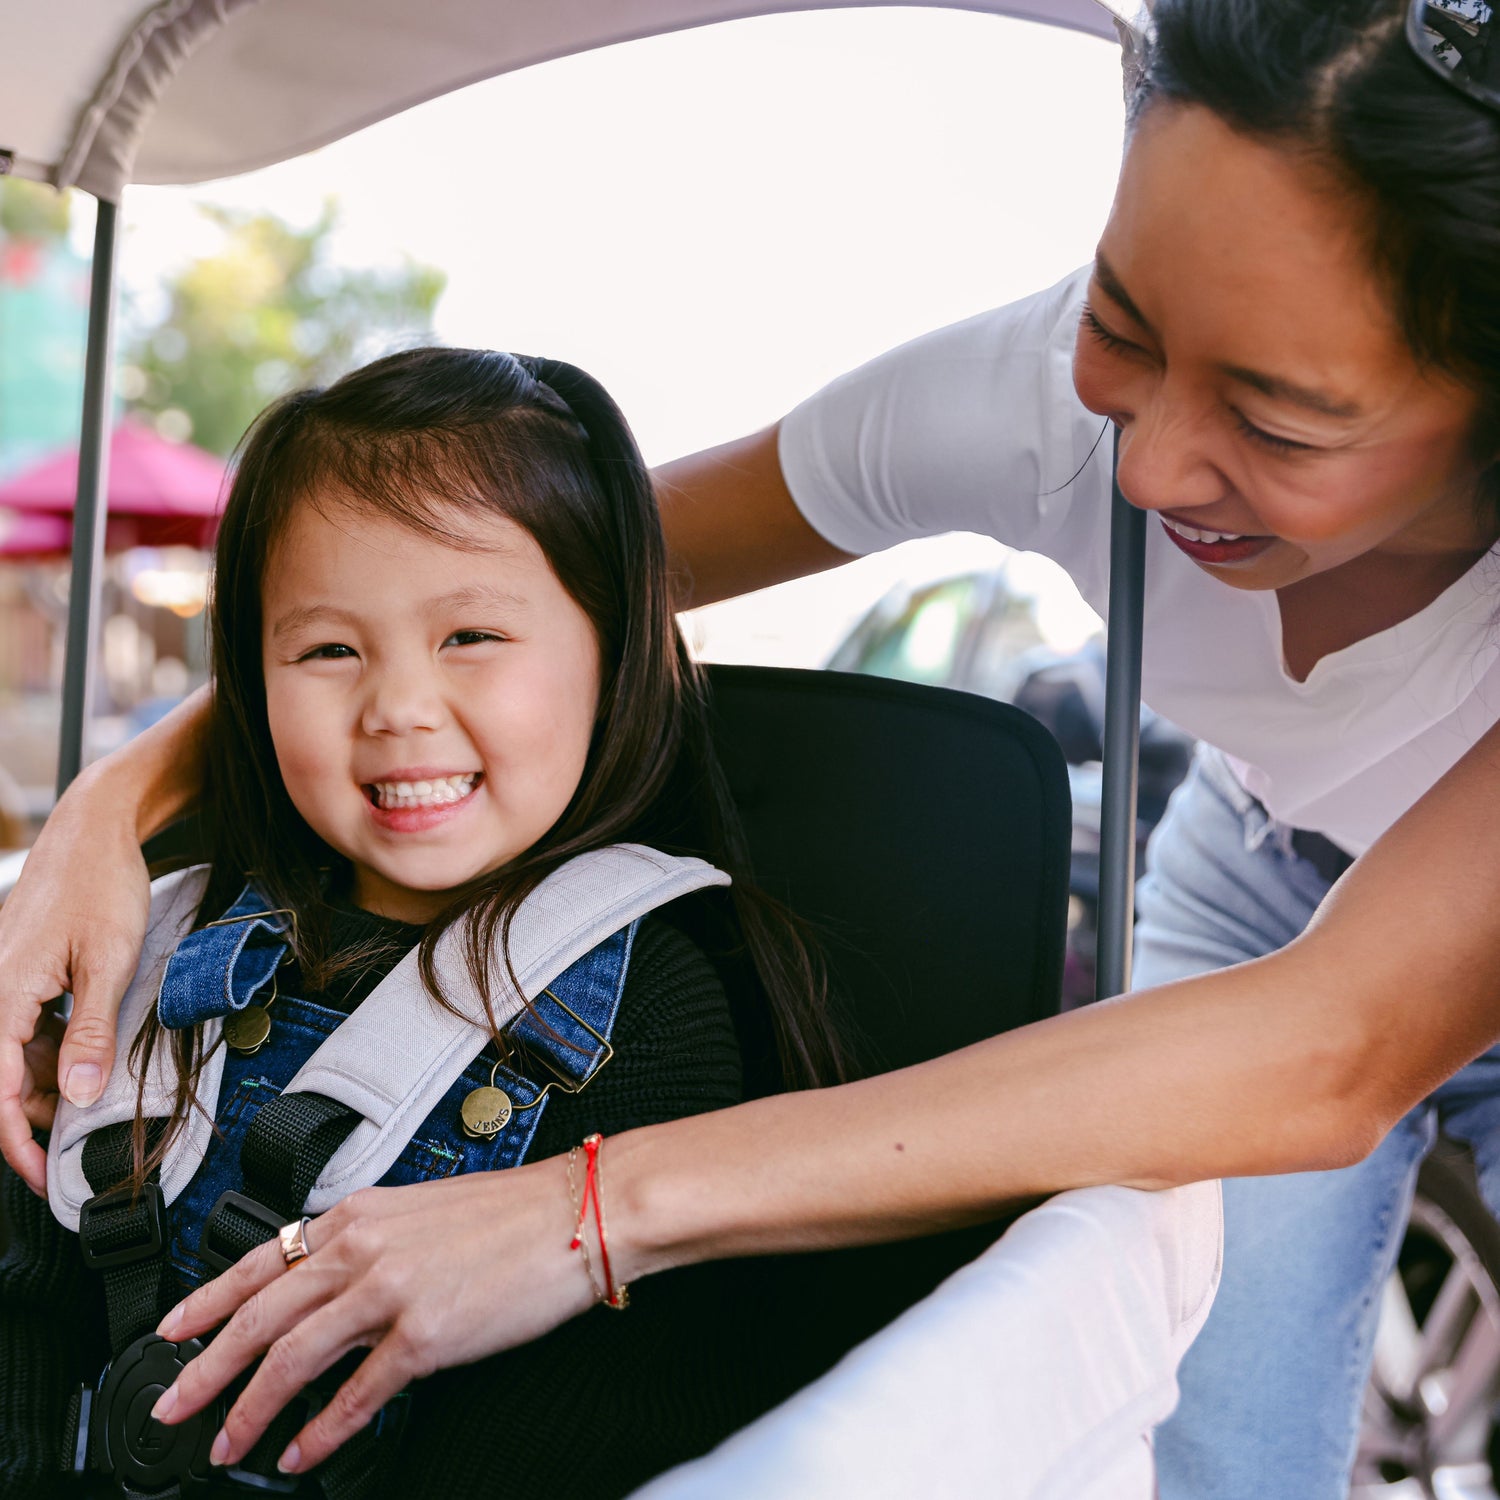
<point>422,1276</point>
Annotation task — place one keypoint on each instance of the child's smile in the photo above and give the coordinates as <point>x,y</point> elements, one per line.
<point>431,705</point>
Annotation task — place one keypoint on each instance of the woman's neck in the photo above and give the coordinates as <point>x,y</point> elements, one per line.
<point>1363,597</point>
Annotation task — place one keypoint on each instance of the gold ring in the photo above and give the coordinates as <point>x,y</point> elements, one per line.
<point>293,1237</point>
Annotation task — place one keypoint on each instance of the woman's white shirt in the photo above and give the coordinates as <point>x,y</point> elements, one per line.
<point>977,428</point>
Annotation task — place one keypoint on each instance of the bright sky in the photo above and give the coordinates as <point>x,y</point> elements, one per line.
<point>716,222</point>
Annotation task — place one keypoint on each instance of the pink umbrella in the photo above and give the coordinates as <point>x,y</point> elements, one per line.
<point>23,535</point>
<point>161,493</point>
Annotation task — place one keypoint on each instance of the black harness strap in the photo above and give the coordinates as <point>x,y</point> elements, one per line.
<point>288,1144</point>
<point>123,1235</point>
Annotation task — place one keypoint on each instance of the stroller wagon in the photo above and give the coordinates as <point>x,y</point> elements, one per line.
<point>1042,1365</point>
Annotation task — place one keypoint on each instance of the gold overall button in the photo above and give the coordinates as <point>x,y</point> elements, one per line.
<point>246,1030</point>
<point>485,1112</point>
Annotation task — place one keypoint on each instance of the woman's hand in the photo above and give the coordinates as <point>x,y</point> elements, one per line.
<point>74,922</point>
<point>438,1274</point>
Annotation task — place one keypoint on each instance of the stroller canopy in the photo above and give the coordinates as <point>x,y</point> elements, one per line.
<point>100,93</point>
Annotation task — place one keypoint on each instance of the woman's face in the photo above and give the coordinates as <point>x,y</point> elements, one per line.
<point>431,705</point>
<point>1269,409</point>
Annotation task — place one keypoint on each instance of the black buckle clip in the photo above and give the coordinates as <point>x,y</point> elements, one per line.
<point>241,1203</point>
<point>148,1206</point>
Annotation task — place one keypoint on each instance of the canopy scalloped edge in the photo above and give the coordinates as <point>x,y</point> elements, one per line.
<point>234,85</point>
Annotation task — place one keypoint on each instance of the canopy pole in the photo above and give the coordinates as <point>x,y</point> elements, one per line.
<point>1122,740</point>
<point>92,505</point>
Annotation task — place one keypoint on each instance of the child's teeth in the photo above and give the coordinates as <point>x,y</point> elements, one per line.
<point>437,793</point>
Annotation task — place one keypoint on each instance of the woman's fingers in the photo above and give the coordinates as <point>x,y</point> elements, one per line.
<point>16,1143</point>
<point>39,1085</point>
<point>29,978</point>
<point>266,1315</point>
<point>429,1275</point>
<point>303,1352</point>
<point>106,963</point>
<point>384,1372</point>
<point>74,921</point>
<point>217,1299</point>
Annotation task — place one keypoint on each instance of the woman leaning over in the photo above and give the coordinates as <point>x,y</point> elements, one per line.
<point>1294,320</point>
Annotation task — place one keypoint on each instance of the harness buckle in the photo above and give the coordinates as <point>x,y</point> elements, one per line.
<point>104,1217</point>
<point>250,1208</point>
<point>141,1454</point>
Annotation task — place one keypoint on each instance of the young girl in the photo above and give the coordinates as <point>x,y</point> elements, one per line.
<point>449,686</point>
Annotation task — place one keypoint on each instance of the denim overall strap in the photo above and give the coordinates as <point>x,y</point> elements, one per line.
<point>293,1136</point>
<point>221,967</point>
<point>569,1024</point>
<point>567,1031</point>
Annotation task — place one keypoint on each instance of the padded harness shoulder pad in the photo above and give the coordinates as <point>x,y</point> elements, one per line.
<point>396,1055</point>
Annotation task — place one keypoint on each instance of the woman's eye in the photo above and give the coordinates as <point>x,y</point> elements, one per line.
<point>1102,335</point>
<point>332,652</point>
<point>1269,439</point>
<point>471,637</point>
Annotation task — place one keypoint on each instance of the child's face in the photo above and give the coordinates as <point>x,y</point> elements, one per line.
<point>431,706</point>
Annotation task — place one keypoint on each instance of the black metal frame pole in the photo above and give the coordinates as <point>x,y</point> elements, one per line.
<point>92,504</point>
<point>1122,741</point>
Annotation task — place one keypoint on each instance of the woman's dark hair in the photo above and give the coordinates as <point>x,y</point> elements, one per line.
<point>412,438</point>
<point>1336,81</point>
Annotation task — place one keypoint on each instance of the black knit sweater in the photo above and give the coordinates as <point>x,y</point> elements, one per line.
<point>592,1409</point>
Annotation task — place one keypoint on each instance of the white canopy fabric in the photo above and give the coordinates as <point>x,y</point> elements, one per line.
<point>100,93</point>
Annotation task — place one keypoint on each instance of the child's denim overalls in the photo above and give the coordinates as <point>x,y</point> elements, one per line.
<point>223,967</point>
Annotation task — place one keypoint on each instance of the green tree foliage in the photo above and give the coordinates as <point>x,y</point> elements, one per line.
<point>267,313</point>
<point>32,212</point>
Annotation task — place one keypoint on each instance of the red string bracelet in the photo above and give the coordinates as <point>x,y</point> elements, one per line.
<point>617,1297</point>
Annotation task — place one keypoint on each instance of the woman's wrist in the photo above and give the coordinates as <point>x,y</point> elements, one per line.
<point>657,1221</point>
<point>711,1186</point>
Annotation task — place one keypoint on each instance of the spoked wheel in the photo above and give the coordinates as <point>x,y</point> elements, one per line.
<point>1428,1427</point>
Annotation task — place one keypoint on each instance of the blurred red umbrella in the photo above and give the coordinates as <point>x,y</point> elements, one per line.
<point>161,493</point>
<point>33,535</point>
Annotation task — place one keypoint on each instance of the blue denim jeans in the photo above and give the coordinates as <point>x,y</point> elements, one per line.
<point>1271,1389</point>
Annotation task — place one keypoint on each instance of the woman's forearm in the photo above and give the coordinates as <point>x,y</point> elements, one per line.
<point>158,775</point>
<point>1298,1061</point>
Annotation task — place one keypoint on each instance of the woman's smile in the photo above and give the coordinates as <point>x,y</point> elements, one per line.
<point>1216,548</point>
<point>1246,349</point>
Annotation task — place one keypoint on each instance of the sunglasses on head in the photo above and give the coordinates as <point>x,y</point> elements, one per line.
<point>1457,39</point>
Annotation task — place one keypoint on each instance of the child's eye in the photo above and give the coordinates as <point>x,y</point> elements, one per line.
<point>1269,439</point>
<point>471,637</point>
<point>331,652</point>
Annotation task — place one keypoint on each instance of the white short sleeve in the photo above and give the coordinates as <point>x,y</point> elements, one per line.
<point>972,428</point>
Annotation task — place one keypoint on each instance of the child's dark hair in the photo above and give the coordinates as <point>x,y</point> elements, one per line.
<point>540,443</point>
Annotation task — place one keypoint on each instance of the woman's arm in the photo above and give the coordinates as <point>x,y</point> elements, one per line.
<point>1298,1061</point>
<point>732,525</point>
<point>76,918</point>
